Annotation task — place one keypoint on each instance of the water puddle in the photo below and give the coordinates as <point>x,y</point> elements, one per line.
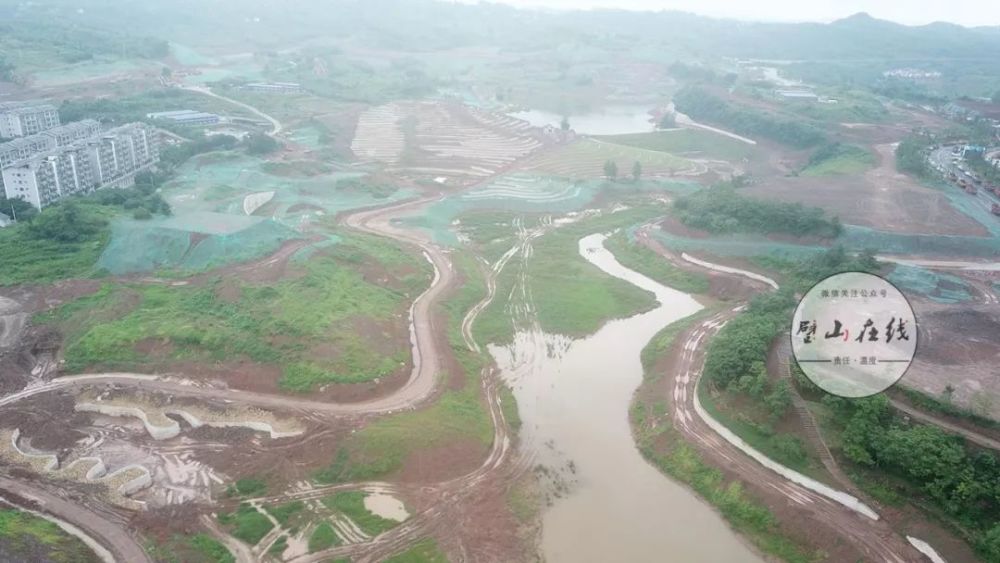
<point>610,120</point>
<point>574,395</point>
<point>386,506</point>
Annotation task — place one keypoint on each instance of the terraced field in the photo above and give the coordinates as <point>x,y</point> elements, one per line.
<point>586,157</point>
<point>441,140</point>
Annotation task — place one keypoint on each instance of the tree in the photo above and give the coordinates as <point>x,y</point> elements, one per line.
<point>611,170</point>
<point>564,124</point>
<point>65,222</point>
<point>949,391</point>
<point>166,72</point>
<point>668,121</point>
<point>259,144</point>
<point>17,208</point>
<point>779,400</point>
<point>636,171</point>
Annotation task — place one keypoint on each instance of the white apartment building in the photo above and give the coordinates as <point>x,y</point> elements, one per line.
<point>110,160</point>
<point>22,120</point>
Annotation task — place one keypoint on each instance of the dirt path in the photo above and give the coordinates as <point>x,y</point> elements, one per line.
<point>112,536</point>
<point>969,435</point>
<point>872,537</point>
<point>276,126</point>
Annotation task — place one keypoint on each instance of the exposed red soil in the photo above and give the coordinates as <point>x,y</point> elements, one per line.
<point>431,465</point>
<point>882,198</point>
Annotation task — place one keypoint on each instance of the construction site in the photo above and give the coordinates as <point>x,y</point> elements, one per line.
<point>427,329</point>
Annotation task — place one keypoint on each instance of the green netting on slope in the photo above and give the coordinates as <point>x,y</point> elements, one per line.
<point>857,238</point>
<point>307,252</point>
<point>976,207</point>
<point>737,245</point>
<point>943,288</point>
<point>526,193</point>
<point>143,246</point>
<point>221,181</point>
<point>307,136</point>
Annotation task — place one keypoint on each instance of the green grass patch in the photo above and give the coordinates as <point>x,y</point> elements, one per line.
<point>572,296</point>
<point>662,446</point>
<point>837,159</point>
<point>278,547</point>
<point>27,258</point>
<point>508,404</point>
<point>352,505</point>
<point>650,264</point>
<point>384,445</point>
<point>323,537</point>
<point>688,142</point>
<point>247,487</point>
<point>29,536</point>
<point>284,512</point>
<point>275,323</point>
<point>425,551</point>
<point>246,524</point>
<point>210,549</point>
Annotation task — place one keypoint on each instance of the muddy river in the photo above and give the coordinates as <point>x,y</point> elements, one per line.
<point>574,397</point>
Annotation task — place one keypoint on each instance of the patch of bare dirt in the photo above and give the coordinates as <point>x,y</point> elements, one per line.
<point>431,465</point>
<point>882,198</point>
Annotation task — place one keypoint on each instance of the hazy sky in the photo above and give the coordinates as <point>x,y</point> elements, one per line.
<point>913,12</point>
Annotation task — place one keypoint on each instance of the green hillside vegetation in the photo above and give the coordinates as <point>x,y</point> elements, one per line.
<point>721,210</point>
<point>910,157</point>
<point>25,537</point>
<point>961,482</point>
<point>701,105</point>
<point>687,142</point>
<point>276,323</point>
<point>31,44</point>
<point>837,159</point>
<point>66,239</point>
<point>648,263</point>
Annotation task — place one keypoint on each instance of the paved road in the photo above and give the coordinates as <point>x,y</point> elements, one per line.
<point>113,537</point>
<point>942,160</point>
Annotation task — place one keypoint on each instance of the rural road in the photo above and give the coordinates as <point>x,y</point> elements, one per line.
<point>874,538</point>
<point>114,538</point>
<point>969,435</point>
<point>276,126</point>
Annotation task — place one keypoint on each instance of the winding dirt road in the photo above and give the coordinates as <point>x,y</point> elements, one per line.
<point>874,538</point>
<point>112,536</point>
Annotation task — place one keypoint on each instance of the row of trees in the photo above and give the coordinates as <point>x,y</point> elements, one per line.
<point>722,210</point>
<point>611,171</point>
<point>962,481</point>
<point>911,156</point>
<point>703,106</point>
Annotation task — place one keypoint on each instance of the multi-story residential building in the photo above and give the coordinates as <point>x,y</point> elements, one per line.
<point>45,178</point>
<point>109,160</point>
<point>120,153</point>
<point>62,136</point>
<point>65,135</point>
<point>17,120</point>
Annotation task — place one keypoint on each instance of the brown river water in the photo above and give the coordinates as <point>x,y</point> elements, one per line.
<point>574,398</point>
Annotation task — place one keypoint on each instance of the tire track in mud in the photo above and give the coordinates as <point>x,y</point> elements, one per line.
<point>872,536</point>
<point>427,353</point>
